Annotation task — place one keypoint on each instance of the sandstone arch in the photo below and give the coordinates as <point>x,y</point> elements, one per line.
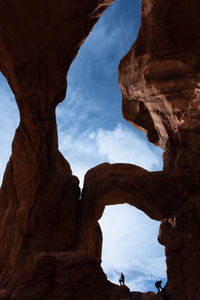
<point>107,184</point>
<point>42,222</point>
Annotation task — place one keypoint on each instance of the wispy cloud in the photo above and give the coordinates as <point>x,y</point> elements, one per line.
<point>117,145</point>
<point>122,145</point>
<point>110,39</point>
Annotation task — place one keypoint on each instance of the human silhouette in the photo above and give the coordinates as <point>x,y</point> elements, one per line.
<point>122,279</point>
<point>158,285</point>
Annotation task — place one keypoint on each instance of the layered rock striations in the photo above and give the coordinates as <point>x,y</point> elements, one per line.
<point>159,79</point>
<point>50,239</point>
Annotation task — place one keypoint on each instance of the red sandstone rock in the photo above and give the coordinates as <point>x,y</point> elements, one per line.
<point>159,79</point>
<point>144,296</point>
<point>39,197</point>
<point>49,239</point>
<point>109,184</point>
<point>69,275</point>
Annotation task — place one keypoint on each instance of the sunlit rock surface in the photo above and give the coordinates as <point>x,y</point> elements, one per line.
<point>159,79</point>
<point>50,240</point>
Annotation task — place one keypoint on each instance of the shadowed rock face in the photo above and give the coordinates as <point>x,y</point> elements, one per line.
<point>50,240</point>
<point>39,197</point>
<point>109,184</point>
<point>159,79</point>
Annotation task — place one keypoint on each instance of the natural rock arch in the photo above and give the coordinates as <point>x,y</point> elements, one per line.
<point>107,184</point>
<point>46,232</point>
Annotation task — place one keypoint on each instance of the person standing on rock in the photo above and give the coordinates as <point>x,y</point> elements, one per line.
<point>158,285</point>
<point>122,279</point>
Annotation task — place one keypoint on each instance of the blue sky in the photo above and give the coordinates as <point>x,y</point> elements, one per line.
<point>91,130</point>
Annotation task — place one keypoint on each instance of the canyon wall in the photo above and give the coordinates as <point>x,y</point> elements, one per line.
<point>159,79</point>
<point>39,197</point>
<point>50,240</point>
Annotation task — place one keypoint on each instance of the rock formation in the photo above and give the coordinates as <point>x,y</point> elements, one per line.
<point>39,197</point>
<point>50,240</point>
<point>159,78</point>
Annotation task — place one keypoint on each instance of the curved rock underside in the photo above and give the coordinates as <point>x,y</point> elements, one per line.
<point>50,240</point>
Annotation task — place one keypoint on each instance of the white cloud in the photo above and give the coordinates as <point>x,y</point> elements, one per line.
<point>123,145</point>
<point>92,147</point>
<point>80,152</point>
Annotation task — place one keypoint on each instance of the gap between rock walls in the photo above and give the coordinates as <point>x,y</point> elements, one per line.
<point>47,233</point>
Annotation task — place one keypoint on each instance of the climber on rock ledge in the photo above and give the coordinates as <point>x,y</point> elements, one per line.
<point>158,285</point>
<point>122,279</point>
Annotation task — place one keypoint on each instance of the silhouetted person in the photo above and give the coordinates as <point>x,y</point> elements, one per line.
<point>158,285</point>
<point>122,279</point>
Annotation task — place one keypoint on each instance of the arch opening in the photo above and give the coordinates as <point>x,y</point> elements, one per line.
<point>130,246</point>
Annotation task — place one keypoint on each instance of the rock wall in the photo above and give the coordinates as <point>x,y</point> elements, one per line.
<point>39,197</point>
<point>159,79</point>
<point>50,240</point>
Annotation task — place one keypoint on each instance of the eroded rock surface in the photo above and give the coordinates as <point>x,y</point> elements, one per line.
<point>159,79</point>
<point>109,184</point>
<point>39,197</point>
<point>50,240</point>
